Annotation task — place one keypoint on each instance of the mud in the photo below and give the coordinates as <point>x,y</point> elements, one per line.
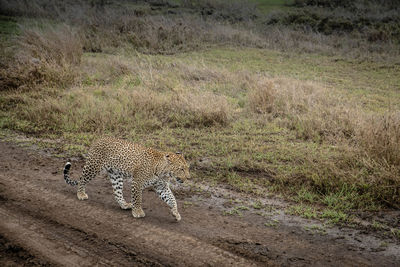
<point>44,224</point>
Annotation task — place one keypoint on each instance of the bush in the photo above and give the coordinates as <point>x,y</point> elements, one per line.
<point>322,3</point>
<point>40,8</point>
<point>374,21</point>
<point>233,10</point>
<point>160,34</point>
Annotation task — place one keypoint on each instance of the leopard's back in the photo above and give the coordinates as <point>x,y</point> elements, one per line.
<point>109,152</point>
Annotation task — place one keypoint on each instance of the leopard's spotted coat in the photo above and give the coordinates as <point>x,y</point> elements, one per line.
<point>144,166</point>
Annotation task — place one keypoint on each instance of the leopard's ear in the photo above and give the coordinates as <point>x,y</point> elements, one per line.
<point>178,153</point>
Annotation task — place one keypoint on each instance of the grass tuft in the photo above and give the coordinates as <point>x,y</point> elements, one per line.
<point>45,56</point>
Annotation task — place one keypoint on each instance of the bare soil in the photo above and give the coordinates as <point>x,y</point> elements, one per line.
<point>44,224</point>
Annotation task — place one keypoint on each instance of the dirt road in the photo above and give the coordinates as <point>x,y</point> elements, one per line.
<point>43,223</point>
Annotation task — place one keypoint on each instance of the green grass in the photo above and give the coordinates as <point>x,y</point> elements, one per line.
<point>8,26</point>
<point>257,205</point>
<point>8,30</point>
<point>395,233</point>
<point>272,223</point>
<point>310,212</point>
<point>378,226</point>
<point>334,216</point>
<point>304,211</point>
<point>232,212</point>
<point>316,229</point>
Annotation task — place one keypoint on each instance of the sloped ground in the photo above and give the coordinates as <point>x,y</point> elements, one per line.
<point>43,223</point>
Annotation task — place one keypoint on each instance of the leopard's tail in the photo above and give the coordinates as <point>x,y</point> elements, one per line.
<point>67,179</point>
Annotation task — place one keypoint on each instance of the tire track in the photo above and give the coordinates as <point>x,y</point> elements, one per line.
<point>150,241</point>
<point>61,245</point>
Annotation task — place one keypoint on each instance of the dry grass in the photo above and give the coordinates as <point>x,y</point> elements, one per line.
<point>206,109</point>
<point>306,107</point>
<point>380,137</point>
<point>261,99</point>
<point>104,109</point>
<point>317,114</point>
<point>44,56</point>
<point>58,45</point>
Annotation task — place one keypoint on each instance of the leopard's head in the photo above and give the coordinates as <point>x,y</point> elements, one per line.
<point>177,166</point>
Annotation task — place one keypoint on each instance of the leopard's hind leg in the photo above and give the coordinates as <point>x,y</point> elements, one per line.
<point>117,181</point>
<point>89,172</point>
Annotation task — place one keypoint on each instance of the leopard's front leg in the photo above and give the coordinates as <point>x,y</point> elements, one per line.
<point>165,193</point>
<point>137,189</point>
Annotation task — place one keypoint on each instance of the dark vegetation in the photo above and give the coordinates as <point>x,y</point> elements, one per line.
<point>374,21</point>
<point>370,29</point>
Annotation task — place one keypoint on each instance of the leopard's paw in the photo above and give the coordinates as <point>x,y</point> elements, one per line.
<point>138,213</point>
<point>82,195</point>
<point>126,206</point>
<point>177,216</point>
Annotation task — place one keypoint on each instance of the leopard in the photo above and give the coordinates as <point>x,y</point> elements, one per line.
<point>143,166</point>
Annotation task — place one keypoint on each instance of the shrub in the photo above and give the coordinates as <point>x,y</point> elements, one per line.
<point>160,34</point>
<point>233,10</point>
